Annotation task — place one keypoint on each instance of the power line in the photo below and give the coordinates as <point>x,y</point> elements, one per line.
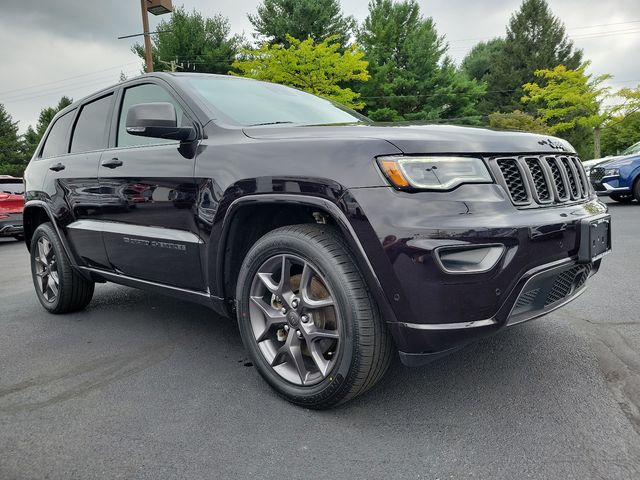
<point>65,79</point>
<point>62,88</point>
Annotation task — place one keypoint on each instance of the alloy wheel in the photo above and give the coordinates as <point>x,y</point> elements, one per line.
<point>294,319</point>
<point>46,265</point>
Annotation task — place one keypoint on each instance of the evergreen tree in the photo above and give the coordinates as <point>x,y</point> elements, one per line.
<point>535,40</point>
<point>198,43</point>
<point>12,160</point>
<point>411,76</point>
<point>480,63</point>
<point>301,19</point>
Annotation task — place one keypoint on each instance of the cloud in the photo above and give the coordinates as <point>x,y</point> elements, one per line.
<point>71,47</point>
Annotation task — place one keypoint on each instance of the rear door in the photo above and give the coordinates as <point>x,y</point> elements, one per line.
<point>72,150</point>
<point>149,196</point>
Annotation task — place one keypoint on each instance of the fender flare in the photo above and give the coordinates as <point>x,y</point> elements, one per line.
<point>336,214</point>
<point>39,204</point>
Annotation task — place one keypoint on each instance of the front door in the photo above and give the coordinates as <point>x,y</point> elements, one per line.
<point>148,197</point>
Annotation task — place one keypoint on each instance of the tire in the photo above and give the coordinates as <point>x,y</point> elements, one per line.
<point>621,198</point>
<point>636,189</point>
<point>359,349</point>
<point>49,262</point>
<point>19,238</point>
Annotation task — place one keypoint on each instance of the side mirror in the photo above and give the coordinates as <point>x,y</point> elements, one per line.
<point>157,120</point>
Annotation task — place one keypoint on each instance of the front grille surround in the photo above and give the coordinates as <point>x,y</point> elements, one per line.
<point>534,181</point>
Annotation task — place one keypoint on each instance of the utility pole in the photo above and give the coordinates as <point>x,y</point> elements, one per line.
<point>157,7</point>
<point>147,38</point>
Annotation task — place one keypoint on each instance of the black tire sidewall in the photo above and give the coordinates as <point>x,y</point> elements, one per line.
<point>338,381</point>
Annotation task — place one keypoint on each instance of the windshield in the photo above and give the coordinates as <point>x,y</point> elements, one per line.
<point>11,187</point>
<point>632,150</point>
<point>250,103</point>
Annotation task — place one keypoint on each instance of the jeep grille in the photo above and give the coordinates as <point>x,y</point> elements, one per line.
<point>541,180</point>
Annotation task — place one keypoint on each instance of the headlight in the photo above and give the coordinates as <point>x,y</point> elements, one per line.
<point>612,172</point>
<point>434,173</point>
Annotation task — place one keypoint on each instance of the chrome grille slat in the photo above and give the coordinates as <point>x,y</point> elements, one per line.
<point>542,180</point>
<point>584,181</point>
<point>574,188</point>
<point>558,179</point>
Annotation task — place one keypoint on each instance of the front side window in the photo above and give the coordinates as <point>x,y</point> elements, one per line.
<point>147,93</point>
<point>90,132</point>
<point>57,142</point>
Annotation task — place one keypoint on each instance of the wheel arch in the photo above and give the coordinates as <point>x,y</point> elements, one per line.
<point>294,209</point>
<point>34,214</point>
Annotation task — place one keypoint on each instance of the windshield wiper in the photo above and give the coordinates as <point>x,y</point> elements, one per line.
<point>269,123</point>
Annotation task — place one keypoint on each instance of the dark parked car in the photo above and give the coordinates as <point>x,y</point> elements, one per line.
<point>11,205</point>
<point>333,241</point>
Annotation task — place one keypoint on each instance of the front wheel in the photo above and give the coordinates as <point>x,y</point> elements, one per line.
<point>307,318</point>
<point>59,287</point>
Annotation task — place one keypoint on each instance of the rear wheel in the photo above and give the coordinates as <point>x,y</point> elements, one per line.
<point>622,198</point>
<point>307,318</point>
<point>59,287</point>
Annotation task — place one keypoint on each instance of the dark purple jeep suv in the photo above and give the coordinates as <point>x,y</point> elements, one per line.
<point>332,240</point>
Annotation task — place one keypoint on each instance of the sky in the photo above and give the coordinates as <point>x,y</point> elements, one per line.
<point>70,47</point>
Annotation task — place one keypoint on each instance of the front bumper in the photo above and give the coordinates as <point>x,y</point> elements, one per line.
<point>609,185</point>
<point>437,311</point>
<point>11,226</point>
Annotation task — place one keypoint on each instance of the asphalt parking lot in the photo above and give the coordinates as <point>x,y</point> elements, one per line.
<point>144,386</point>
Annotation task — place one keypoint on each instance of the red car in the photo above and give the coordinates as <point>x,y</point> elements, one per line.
<point>11,206</point>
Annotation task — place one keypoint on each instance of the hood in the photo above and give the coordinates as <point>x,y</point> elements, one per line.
<point>11,203</point>
<point>617,162</point>
<point>415,139</point>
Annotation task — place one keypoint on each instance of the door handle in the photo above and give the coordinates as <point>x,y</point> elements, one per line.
<point>57,167</point>
<point>113,163</point>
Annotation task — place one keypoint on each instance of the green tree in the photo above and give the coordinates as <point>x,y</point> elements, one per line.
<point>620,132</point>
<point>411,76</point>
<point>32,136</point>
<point>569,100</point>
<point>12,160</point>
<point>517,120</point>
<point>480,63</point>
<point>197,43</point>
<point>535,40</point>
<point>301,19</point>
<point>318,68</point>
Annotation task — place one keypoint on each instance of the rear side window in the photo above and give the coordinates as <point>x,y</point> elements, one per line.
<point>147,93</point>
<point>90,132</point>
<point>57,142</point>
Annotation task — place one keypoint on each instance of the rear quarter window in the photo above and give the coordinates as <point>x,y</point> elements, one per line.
<point>57,142</point>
